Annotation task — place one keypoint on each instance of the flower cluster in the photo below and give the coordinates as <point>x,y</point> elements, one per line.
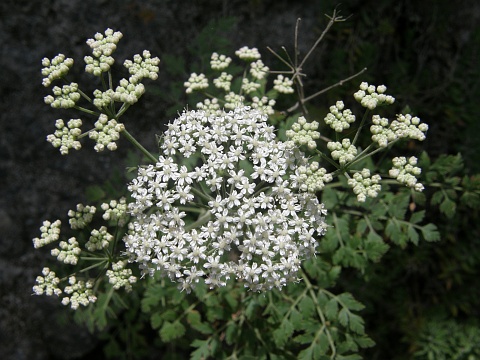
<point>224,81</point>
<point>106,132</point>
<point>344,152</point>
<point>196,82</point>
<point>247,54</point>
<point>65,137</point>
<point>258,69</point>
<point>67,252</point>
<point>264,104</point>
<point>128,92</point>
<point>210,106</point>
<point>82,216</point>
<point>283,85</point>
<point>98,66</point>
<point>104,44</point>
<point>65,97</point>
<point>405,126</point>
<point>371,97</point>
<point>311,177</point>
<point>47,284</point>
<point>80,292</point>
<point>405,171</point>
<point>239,212</point>
<point>304,133</point>
<point>338,118</point>
<point>99,239</point>
<point>249,86</point>
<point>116,211</point>
<point>364,185</point>
<point>55,69</point>
<point>233,100</point>
<point>50,232</point>
<point>142,66</point>
<point>219,62</point>
<point>102,49</point>
<point>120,277</point>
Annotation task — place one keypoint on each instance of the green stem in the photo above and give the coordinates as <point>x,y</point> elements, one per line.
<point>139,146</point>
<point>91,112</point>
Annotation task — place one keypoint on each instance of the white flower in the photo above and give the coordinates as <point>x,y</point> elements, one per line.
<point>216,218</point>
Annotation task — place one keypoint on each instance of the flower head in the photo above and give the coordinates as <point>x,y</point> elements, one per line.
<point>251,222</point>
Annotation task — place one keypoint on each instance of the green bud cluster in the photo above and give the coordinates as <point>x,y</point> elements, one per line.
<point>196,82</point>
<point>65,97</point>
<point>406,172</point>
<point>50,232</point>
<point>283,84</point>
<point>142,66</point>
<point>55,69</point>
<point>65,137</point>
<point>219,62</point>
<point>81,293</point>
<point>116,211</point>
<point>81,217</point>
<point>370,97</point>
<point>99,239</point>
<point>304,133</point>
<point>338,118</point>
<point>106,133</point>
<point>364,185</point>
<point>120,277</point>
<point>67,252</point>
<point>344,152</point>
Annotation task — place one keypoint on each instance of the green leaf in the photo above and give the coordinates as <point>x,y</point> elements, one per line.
<point>306,307</point>
<point>347,300</point>
<point>171,331</point>
<point>331,309</point>
<point>417,217</point>
<point>283,333</point>
<point>231,333</point>
<point>195,321</point>
<point>448,207</point>
<point>343,317</point>
<point>356,324</point>
<point>430,232</point>
<point>156,320</point>
<point>413,235</point>
<point>375,247</point>
<point>203,350</point>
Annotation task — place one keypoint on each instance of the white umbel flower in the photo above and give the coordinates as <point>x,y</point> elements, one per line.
<point>233,213</point>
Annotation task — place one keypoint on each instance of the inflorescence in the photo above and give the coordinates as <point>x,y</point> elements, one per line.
<point>252,221</point>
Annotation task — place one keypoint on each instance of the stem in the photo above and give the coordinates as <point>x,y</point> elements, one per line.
<point>91,112</point>
<point>340,83</point>
<point>139,146</point>
<point>367,112</point>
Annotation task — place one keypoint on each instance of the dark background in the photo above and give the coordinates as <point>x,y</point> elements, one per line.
<point>426,52</point>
